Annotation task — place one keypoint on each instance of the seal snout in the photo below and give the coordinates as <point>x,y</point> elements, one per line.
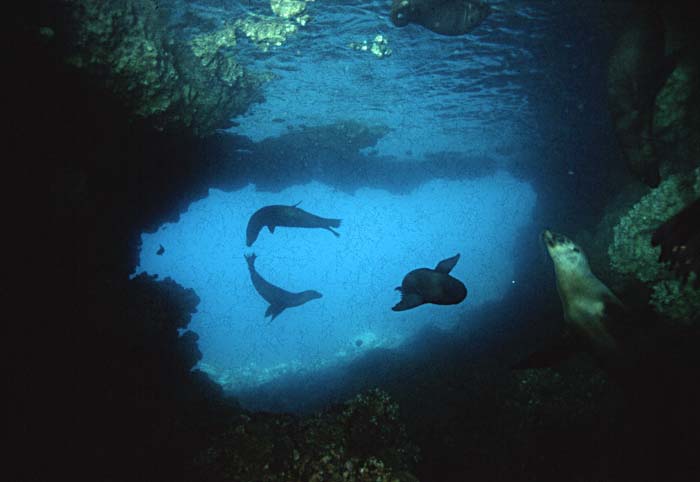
<point>548,237</point>
<point>553,239</point>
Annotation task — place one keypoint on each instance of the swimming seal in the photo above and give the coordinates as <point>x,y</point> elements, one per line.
<point>287,216</point>
<point>278,298</point>
<point>436,286</point>
<point>446,17</point>
<point>591,310</point>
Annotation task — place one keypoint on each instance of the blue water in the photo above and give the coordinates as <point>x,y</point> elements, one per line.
<point>513,91</point>
<point>383,237</point>
<point>470,94</point>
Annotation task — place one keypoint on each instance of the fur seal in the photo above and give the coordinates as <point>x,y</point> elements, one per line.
<point>590,308</point>
<point>287,216</point>
<point>278,298</point>
<point>425,285</point>
<point>446,17</point>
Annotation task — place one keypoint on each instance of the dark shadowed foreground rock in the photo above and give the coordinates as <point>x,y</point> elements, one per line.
<point>360,440</point>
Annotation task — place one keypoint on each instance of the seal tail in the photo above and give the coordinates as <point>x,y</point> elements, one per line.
<point>333,223</point>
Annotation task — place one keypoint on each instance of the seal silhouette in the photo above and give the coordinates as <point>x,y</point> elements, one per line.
<point>278,298</point>
<point>436,286</point>
<point>287,216</point>
<point>446,17</point>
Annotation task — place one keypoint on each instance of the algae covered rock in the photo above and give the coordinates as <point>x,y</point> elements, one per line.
<point>563,395</point>
<point>676,128</point>
<point>128,48</point>
<point>288,8</point>
<point>205,46</point>
<point>379,46</point>
<point>360,440</point>
<point>678,301</point>
<point>266,32</point>
<point>632,254</point>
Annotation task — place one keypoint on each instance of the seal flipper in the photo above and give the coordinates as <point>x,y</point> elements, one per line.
<point>271,227</point>
<point>617,318</point>
<point>274,310</point>
<point>337,235</point>
<point>614,308</point>
<point>408,301</point>
<point>446,265</point>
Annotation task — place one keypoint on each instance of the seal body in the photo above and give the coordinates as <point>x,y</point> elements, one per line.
<point>278,298</point>
<point>587,303</point>
<point>436,286</point>
<point>446,17</point>
<point>287,216</point>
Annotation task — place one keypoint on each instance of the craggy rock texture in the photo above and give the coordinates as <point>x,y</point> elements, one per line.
<point>268,31</point>
<point>632,254</point>
<point>676,130</point>
<point>329,153</point>
<point>679,241</point>
<point>105,390</point>
<point>100,387</point>
<point>294,10</point>
<point>139,370</point>
<point>653,88</point>
<point>379,47</point>
<point>360,440</point>
<point>127,47</point>
<point>105,372</point>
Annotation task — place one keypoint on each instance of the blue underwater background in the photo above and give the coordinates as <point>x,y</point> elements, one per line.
<point>476,102</point>
<point>550,141</point>
<point>383,237</point>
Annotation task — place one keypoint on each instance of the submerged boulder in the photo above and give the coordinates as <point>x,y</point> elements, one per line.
<point>129,49</point>
<point>360,440</point>
<point>631,252</point>
<point>653,88</point>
